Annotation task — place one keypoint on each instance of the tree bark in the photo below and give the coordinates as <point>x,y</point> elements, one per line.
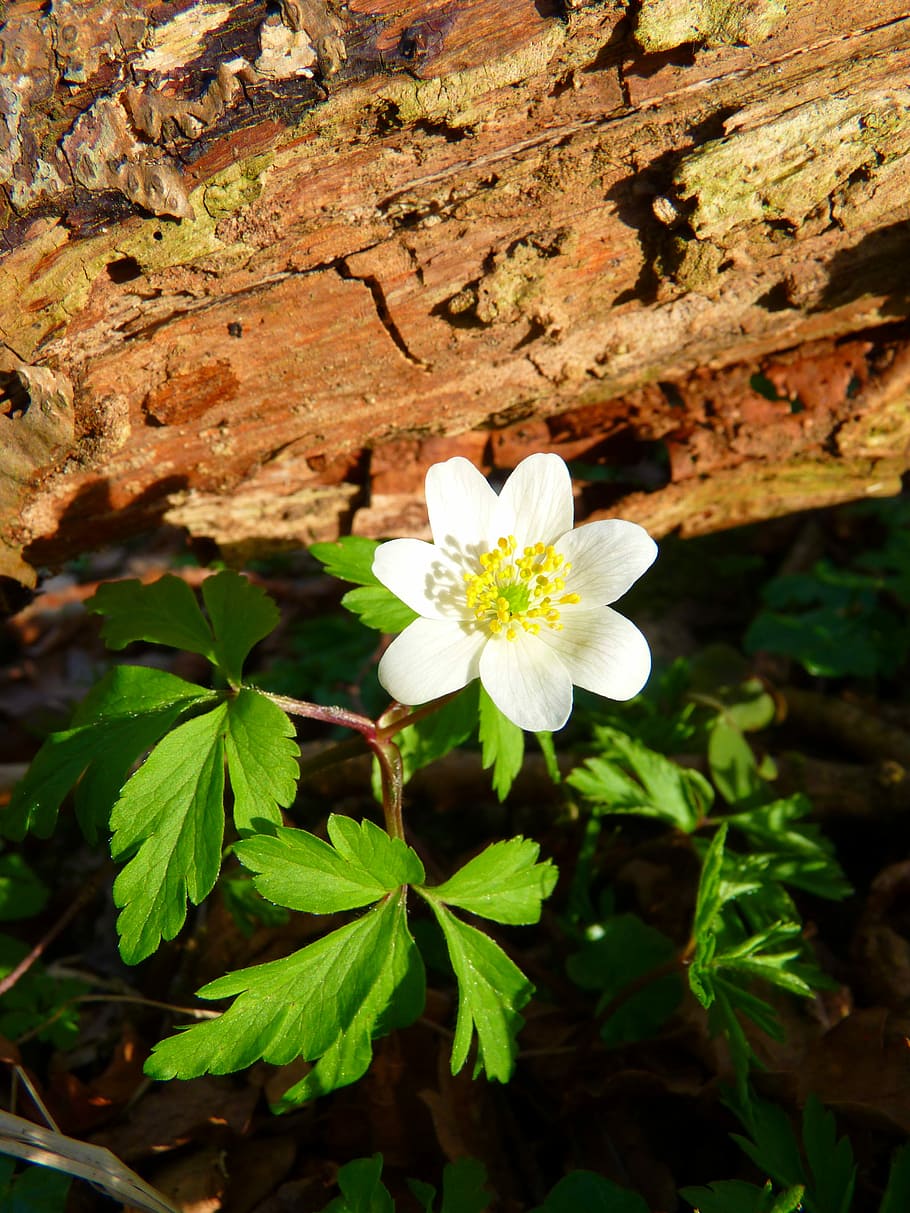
<point>262,266</point>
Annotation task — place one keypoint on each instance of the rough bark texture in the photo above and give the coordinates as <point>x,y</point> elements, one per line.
<point>263,264</point>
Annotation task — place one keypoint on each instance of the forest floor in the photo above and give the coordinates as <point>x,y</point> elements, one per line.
<point>648,1106</point>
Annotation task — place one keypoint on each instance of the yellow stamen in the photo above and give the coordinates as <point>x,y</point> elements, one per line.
<point>508,592</point>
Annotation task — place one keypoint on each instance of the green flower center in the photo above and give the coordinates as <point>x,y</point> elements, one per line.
<point>509,592</point>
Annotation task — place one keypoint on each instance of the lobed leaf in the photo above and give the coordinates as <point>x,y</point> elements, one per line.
<point>126,713</point>
<point>504,883</point>
<point>298,870</point>
<point>241,614</point>
<point>163,612</point>
<point>262,760</point>
<point>737,1196</point>
<point>830,1161</point>
<point>321,1003</point>
<point>171,815</point>
<point>167,612</point>
<point>630,778</point>
<point>491,993</point>
<point>502,745</point>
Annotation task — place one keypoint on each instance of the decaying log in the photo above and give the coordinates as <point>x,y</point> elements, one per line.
<point>263,264</point>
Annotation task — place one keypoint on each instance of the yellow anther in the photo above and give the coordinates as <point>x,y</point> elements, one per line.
<point>507,592</point>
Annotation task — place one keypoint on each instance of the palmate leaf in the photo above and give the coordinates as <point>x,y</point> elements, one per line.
<point>491,993</point>
<point>504,883</point>
<point>166,612</point>
<point>126,713</point>
<point>170,815</point>
<point>300,871</point>
<point>323,1003</point>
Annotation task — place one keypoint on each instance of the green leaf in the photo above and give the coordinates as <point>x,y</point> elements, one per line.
<point>491,993</point>
<point>125,714</point>
<point>502,745</point>
<point>163,612</point>
<point>799,855</point>
<point>464,1187</point>
<point>438,733</point>
<point>37,1189</point>
<point>588,1191</point>
<point>362,1189</point>
<point>323,1003</point>
<point>349,558</point>
<point>171,815</point>
<point>621,952</point>
<point>773,1146</point>
<point>262,760</point>
<point>548,749</point>
<point>504,883</point>
<point>830,1161</point>
<point>897,1194</point>
<point>376,607</point>
<point>300,871</point>
<point>22,892</point>
<point>752,958</point>
<point>38,1002</point>
<point>736,1196</point>
<point>630,778</point>
<point>166,612</point>
<point>733,766</point>
<point>750,707</point>
<point>241,614</point>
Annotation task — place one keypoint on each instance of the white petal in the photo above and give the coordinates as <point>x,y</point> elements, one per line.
<point>607,557</point>
<point>461,505</point>
<point>536,504</point>
<point>422,576</point>
<point>527,682</point>
<point>602,651</point>
<point>430,658</point>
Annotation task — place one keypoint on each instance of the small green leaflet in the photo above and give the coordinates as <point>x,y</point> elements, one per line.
<point>22,892</point>
<point>491,992</point>
<point>502,745</point>
<point>438,733</point>
<point>378,608</point>
<point>300,871</point>
<point>126,713</point>
<point>166,612</point>
<point>170,815</point>
<point>830,1175</point>
<point>464,1188</point>
<point>504,883</point>
<point>630,778</point>
<point>323,1003</point>
<point>588,1192</point>
<point>737,1196</point>
<point>351,559</point>
<point>362,1189</point>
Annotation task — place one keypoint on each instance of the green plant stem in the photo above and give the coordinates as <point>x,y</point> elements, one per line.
<point>379,741</point>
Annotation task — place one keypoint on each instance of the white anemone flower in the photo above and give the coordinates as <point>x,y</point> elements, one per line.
<point>509,593</point>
